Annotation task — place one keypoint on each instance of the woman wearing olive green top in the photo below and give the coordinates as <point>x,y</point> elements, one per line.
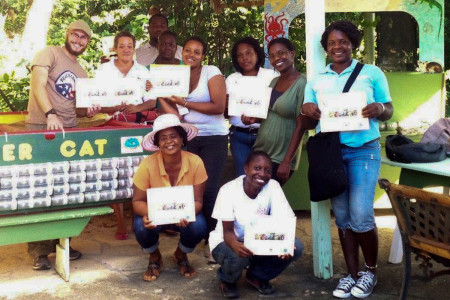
<point>280,134</point>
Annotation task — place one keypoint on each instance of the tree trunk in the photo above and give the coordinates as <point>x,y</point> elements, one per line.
<point>33,39</point>
<point>35,34</point>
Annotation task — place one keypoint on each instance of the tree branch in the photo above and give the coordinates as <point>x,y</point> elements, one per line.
<point>11,107</point>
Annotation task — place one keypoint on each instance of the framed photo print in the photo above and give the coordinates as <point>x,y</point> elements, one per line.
<point>267,235</point>
<point>169,80</point>
<point>168,205</point>
<point>249,96</point>
<point>108,92</point>
<point>342,112</point>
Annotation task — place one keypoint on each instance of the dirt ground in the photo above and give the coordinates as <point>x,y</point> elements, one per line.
<point>111,269</point>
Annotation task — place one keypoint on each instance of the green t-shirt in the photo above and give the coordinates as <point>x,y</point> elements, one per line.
<point>276,131</point>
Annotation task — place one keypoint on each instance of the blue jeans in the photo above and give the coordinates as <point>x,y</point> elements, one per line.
<point>190,235</point>
<point>241,145</point>
<point>262,267</point>
<point>353,208</point>
<point>213,150</point>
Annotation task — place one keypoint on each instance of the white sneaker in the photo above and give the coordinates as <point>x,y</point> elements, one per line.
<point>365,284</point>
<point>344,287</point>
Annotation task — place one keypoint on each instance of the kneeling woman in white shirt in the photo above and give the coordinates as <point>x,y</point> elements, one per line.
<point>239,201</point>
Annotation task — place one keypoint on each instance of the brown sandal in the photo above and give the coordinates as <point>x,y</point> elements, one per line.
<point>150,274</point>
<point>185,267</point>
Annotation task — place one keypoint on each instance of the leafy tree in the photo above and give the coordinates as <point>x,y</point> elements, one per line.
<point>186,18</point>
<point>13,92</point>
<point>16,13</point>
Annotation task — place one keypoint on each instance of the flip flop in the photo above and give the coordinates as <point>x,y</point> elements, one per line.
<point>121,236</point>
<point>148,275</point>
<point>184,264</point>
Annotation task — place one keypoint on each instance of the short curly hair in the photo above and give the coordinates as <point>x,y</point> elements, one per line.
<point>283,41</point>
<point>124,34</point>
<point>168,33</point>
<point>256,47</point>
<point>257,153</point>
<point>348,28</point>
<point>199,40</point>
<point>158,15</point>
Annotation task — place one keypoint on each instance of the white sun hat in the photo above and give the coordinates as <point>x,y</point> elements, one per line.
<point>163,122</point>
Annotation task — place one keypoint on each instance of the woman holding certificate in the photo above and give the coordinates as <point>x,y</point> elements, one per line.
<point>125,66</point>
<point>280,133</point>
<point>239,202</point>
<point>248,60</point>
<point>205,106</point>
<point>169,166</point>
<point>360,151</point>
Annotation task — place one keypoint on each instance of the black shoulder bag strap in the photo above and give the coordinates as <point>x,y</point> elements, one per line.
<point>352,77</point>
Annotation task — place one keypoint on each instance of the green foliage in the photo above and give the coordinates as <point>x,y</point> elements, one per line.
<point>15,90</point>
<point>186,18</point>
<point>16,15</point>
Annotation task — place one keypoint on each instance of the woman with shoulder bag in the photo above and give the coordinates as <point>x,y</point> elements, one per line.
<point>360,150</point>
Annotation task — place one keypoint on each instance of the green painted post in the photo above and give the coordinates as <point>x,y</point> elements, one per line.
<point>320,212</point>
<point>322,250</point>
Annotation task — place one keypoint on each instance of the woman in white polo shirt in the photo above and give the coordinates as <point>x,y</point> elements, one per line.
<point>125,66</point>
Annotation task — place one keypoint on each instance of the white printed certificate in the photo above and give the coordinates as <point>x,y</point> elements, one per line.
<point>249,96</point>
<point>342,112</point>
<point>267,235</point>
<point>108,92</point>
<point>169,80</point>
<point>168,205</point>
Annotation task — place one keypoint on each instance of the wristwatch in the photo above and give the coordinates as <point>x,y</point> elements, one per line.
<point>51,111</point>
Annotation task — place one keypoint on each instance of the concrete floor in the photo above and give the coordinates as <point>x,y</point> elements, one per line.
<point>111,269</point>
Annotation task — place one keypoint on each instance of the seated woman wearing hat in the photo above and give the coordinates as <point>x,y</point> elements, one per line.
<point>169,166</point>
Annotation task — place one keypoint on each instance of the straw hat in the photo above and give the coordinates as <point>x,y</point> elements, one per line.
<point>163,122</point>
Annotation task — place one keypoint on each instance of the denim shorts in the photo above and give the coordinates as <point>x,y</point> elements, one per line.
<point>353,208</point>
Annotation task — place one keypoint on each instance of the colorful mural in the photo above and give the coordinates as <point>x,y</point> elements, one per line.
<point>429,15</point>
<point>274,26</point>
<point>275,5</point>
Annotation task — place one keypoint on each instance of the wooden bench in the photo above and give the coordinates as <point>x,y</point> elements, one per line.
<point>41,226</point>
<point>424,221</point>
